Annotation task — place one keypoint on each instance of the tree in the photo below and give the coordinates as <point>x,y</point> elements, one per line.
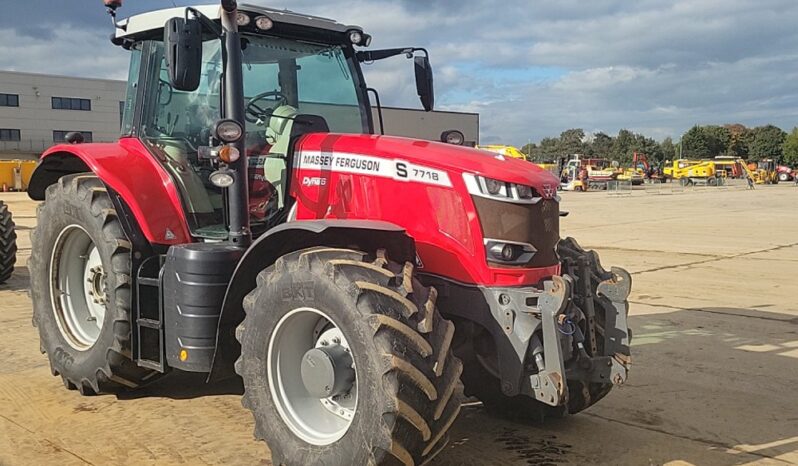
<point>549,148</point>
<point>694,143</point>
<point>532,151</point>
<point>766,143</point>
<point>623,146</point>
<point>790,148</point>
<point>572,141</point>
<point>601,146</point>
<point>738,140</point>
<point>667,150</point>
<point>718,139</point>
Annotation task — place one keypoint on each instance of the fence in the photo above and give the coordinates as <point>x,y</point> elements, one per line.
<point>619,188</point>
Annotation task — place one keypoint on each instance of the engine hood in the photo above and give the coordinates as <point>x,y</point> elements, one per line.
<point>454,159</point>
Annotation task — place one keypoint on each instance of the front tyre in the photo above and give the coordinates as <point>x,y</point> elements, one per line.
<point>346,360</point>
<point>80,288</point>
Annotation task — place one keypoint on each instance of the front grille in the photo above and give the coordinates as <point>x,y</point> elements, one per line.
<point>536,224</point>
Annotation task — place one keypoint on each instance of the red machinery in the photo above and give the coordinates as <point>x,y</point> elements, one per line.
<point>350,286</point>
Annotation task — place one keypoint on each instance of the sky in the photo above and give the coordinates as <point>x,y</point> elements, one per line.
<point>531,69</point>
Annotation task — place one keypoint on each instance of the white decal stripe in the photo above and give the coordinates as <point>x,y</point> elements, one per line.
<point>396,169</point>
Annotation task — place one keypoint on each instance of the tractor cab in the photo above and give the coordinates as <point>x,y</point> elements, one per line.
<point>299,75</point>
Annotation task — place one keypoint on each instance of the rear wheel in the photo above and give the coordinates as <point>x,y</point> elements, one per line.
<point>80,275</point>
<point>784,177</point>
<point>8,243</point>
<point>346,360</point>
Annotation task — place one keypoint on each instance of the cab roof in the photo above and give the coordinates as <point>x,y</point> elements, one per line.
<point>154,20</point>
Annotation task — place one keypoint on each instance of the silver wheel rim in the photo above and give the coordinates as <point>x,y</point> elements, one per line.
<point>316,421</point>
<point>78,287</point>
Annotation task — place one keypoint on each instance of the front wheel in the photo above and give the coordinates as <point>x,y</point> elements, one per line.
<point>346,360</point>
<point>784,177</point>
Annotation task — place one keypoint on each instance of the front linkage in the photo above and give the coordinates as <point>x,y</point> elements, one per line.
<point>567,343</point>
<point>588,308</point>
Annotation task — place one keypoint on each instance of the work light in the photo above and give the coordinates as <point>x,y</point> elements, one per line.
<point>222,178</point>
<point>242,19</point>
<point>228,130</point>
<point>264,23</point>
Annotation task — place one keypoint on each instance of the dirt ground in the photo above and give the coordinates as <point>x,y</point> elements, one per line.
<point>714,382</point>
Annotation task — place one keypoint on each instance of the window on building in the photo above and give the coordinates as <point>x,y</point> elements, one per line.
<point>9,134</point>
<point>58,136</point>
<point>9,100</point>
<point>71,103</point>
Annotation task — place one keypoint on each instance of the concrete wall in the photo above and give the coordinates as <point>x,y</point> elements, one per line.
<point>36,119</point>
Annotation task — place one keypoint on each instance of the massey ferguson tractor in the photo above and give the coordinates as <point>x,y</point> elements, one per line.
<point>250,223</point>
<point>8,243</point>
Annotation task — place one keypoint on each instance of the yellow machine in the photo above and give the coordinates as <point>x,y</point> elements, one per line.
<point>514,152</point>
<point>15,174</point>
<point>507,151</point>
<point>693,171</point>
<point>635,175</point>
<point>763,172</point>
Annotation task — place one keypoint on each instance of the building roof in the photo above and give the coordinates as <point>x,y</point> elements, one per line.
<point>154,20</point>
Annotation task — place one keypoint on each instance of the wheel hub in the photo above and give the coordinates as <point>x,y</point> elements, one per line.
<point>327,371</point>
<point>96,281</point>
<point>312,376</point>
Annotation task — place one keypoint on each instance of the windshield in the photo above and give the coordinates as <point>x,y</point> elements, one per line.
<point>282,79</point>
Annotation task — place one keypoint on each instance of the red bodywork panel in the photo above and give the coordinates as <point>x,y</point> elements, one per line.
<point>419,186</point>
<point>128,168</point>
<point>415,184</point>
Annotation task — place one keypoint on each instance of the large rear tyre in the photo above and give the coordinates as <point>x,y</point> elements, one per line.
<point>80,287</point>
<point>346,360</point>
<point>8,243</point>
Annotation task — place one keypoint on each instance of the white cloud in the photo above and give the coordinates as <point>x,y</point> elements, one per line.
<point>656,66</point>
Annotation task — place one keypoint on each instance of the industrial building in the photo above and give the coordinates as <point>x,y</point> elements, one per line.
<point>37,110</point>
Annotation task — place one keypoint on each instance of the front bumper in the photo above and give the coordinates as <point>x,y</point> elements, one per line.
<point>548,350</point>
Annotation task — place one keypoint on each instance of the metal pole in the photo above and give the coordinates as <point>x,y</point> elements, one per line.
<point>233,105</point>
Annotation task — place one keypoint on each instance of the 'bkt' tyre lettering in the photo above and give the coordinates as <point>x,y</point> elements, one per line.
<point>303,291</point>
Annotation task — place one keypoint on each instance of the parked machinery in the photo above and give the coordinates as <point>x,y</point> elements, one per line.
<point>249,223</point>
<point>693,172</point>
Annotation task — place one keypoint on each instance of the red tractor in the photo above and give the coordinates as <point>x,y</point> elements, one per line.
<point>249,223</point>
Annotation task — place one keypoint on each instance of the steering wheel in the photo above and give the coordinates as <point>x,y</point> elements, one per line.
<point>254,113</point>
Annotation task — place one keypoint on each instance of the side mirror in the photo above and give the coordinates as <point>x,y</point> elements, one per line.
<point>183,42</point>
<point>424,85</point>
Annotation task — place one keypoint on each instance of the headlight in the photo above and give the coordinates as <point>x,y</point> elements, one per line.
<point>509,252</point>
<point>222,178</point>
<point>500,190</point>
<point>228,131</point>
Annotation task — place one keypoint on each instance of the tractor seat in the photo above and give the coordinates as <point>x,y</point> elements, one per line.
<point>286,124</point>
